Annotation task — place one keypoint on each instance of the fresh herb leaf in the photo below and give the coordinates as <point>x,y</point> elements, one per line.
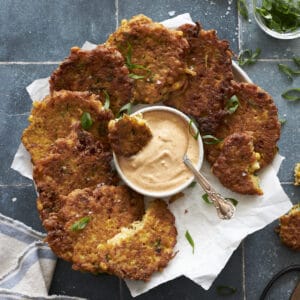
<point>225,290</point>
<point>297,60</point>
<point>248,57</point>
<point>243,9</point>
<point>135,76</point>
<point>86,121</point>
<point>233,201</point>
<point>206,198</point>
<point>194,135</point>
<point>192,184</point>
<point>282,121</point>
<point>190,240</point>
<point>292,94</point>
<point>107,100</point>
<point>210,139</point>
<point>288,71</point>
<point>232,104</point>
<point>80,224</point>
<point>127,108</point>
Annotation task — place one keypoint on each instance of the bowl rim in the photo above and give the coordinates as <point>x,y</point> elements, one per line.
<point>178,189</point>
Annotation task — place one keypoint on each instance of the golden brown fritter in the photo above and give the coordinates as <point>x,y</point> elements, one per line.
<point>101,71</point>
<point>89,217</point>
<point>297,174</point>
<point>52,118</point>
<point>75,162</point>
<point>289,228</point>
<point>256,113</point>
<point>154,57</point>
<point>205,94</point>
<point>128,135</point>
<point>237,163</point>
<point>143,248</point>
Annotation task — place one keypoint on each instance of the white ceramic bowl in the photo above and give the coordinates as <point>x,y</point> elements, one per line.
<point>182,186</point>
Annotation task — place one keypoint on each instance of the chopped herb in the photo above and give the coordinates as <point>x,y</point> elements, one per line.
<point>107,100</point>
<point>232,104</point>
<point>206,198</point>
<point>192,184</point>
<point>297,60</point>
<point>233,201</point>
<point>86,121</point>
<point>282,121</point>
<point>127,108</point>
<point>135,76</point>
<point>280,15</point>
<point>243,9</point>
<point>211,140</point>
<point>248,57</point>
<point>80,224</point>
<point>194,135</point>
<point>292,94</point>
<point>288,71</point>
<point>190,240</point>
<point>225,290</point>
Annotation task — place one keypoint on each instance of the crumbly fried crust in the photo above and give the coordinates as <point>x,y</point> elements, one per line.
<point>128,135</point>
<point>99,70</point>
<point>297,174</point>
<point>256,113</point>
<point>289,228</point>
<point>237,163</point>
<point>108,208</point>
<point>143,248</point>
<point>52,118</point>
<point>75,162</point>
<point>158,50</point>
<point>205,94</point>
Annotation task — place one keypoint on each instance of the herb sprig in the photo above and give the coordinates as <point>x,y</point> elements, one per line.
<point>211,140</point>
<point>248,57</point>
<point>232,104</point>
<point>190,240</point>
<point>243,9</point>
<point>292,94</point>
<point>80,224</point>
<point>127,108</point>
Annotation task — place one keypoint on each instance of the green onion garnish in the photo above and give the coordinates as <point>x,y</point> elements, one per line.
<point>297,60</point>
<point>86,121</point>
<point>190,240</point>
<point>107,100</point>
<point>282,121</point>
<point>292,94</point>
<point>243,9</point>
<point>194,135</point>
<point>232,104</point>
<point>192,184</point>
<point>206,198</point>
<point>225,290</point>
<point>288,71</point>
<point>127,108</point>
<point>135,76</point>
<point>248,57</point>
<point>80,224</point>
<point>233,201</point>
<point>210,139</point>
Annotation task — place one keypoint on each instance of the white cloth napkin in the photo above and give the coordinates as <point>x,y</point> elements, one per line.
<point>215,240</point>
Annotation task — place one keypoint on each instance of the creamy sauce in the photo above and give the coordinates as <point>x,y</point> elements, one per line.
<point>158,167</point>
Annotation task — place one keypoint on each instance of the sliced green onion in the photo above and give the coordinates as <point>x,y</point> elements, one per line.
<point>243,9</point>
<point>225,290</point>
<point>194,135</point>
<point>297,60</point>
<point>232,104</point>
<point>135,76</point>
<point>233,201</point>
<point>107,100</point>
<point>80,224</point>
<point>190,240</point>
<point>206,198</point>
<point>282,121</point>
<point>292,94</point>
<point>288,71</point>
<point>248,57</point>
<point>86,121</point>
<point>210,139</point>
<point>192,184</point>
<point>127,108</point>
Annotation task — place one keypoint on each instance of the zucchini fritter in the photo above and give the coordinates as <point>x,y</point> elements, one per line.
<point>75,162</point>
<point>143,248</point>
<point>204,96</point>
<point>297,174</point>
<point>154,57</point>
<point>100,71</point>
<point>89,217</point>
<point>237,163</point>
<point>52,118</point>
<point>128,135</point>
<point>289,228</point>
<point>256,113</point>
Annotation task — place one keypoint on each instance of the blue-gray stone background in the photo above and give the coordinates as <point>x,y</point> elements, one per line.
<point>35,35</point>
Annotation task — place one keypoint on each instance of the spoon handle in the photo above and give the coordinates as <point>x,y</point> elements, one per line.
<point>225,209</point>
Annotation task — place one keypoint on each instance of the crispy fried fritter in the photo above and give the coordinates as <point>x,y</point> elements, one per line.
<point>256,113</point>
<point>289,228</point>
<point>51,119</point>
<point>205,94</point>
<point>143,248</point>
<point>89,217</point>
<point>297,174</point>
<point>237,163</point>
<point>75,162</point>
<point>128,135</point>
<point>100,71</point>
<point>154,54</point>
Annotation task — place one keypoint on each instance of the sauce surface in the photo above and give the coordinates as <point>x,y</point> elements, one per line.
<point>158,167</point>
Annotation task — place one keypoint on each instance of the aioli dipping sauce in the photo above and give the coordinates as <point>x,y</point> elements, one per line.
<point>158,167</point>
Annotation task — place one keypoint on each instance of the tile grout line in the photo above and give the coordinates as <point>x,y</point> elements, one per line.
<point>243,270</point>
<point>117,13</point>
<point>29,62</point>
